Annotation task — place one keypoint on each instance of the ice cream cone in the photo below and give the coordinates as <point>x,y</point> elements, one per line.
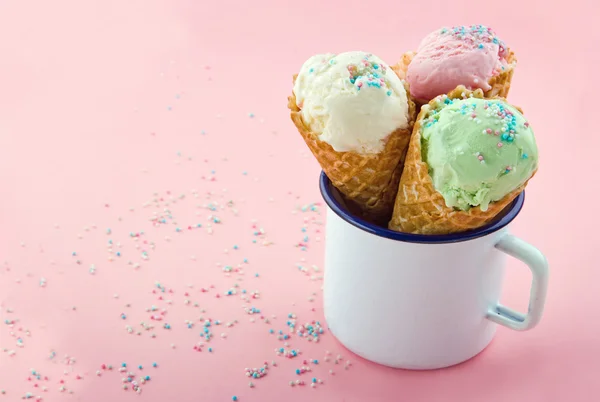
<point>500,83</point>
<point>368,181</point>
<point>419,208</point>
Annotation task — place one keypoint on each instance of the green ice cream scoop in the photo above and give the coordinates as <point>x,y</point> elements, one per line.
<point>478,150</point>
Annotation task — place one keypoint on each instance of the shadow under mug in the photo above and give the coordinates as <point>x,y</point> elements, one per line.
<point>421,301</point>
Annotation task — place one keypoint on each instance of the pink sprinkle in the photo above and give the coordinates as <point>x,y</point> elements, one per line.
<point>480,157</point>
<point>499,145</point>
<point>359,84</point>
<point>489,131</point>
<point>526,124</point>
<point>473,115</point>
<point>496,132</point>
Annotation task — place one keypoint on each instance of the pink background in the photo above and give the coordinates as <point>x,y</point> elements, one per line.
<point>102,106</point>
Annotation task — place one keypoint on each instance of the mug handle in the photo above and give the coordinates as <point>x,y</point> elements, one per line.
<point>538,265</point>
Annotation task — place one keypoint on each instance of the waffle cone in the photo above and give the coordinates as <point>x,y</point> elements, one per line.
<point>368,182</point>
<point>419,208</point>
<point>500,83</point>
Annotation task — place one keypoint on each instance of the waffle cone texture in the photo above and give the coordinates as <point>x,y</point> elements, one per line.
<point>419,208</point>
<point>368,182</point>
<point>500,83</point>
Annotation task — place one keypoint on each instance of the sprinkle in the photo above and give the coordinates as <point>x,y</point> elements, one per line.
<point>525,156</point>
<point>234,398</point>
<point>499,145</point>
<point>251,115</point>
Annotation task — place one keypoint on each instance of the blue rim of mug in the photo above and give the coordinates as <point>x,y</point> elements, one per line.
<point>327,192</point>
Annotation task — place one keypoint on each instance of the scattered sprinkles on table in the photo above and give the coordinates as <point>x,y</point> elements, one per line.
<point>132,245</point>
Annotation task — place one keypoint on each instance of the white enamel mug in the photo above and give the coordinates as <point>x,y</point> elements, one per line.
<point>420,301</point>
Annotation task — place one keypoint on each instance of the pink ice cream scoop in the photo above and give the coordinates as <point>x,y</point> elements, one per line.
<point>463,55</point>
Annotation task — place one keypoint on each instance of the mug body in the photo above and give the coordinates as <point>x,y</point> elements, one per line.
<point>412,305</point>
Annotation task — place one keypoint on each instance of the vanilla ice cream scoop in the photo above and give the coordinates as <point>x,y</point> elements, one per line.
<point>352,101</point>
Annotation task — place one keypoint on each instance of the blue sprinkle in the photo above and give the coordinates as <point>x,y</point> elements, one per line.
<point>525,156</point>
<point>375,66</point>
<point>210,350</point>
<point>271,331</point>
<point>480,46</point>
<point>311,70</point>
<point>389,93</point>
<point>314,380</point>
<point>147,378</point>
<point>154,364</point>
<point>256,274</point>
<point>251,115</point>
<point>140,367</point>
<point>298,371</point>
<point>234,398</point>
<point>123,364</point>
